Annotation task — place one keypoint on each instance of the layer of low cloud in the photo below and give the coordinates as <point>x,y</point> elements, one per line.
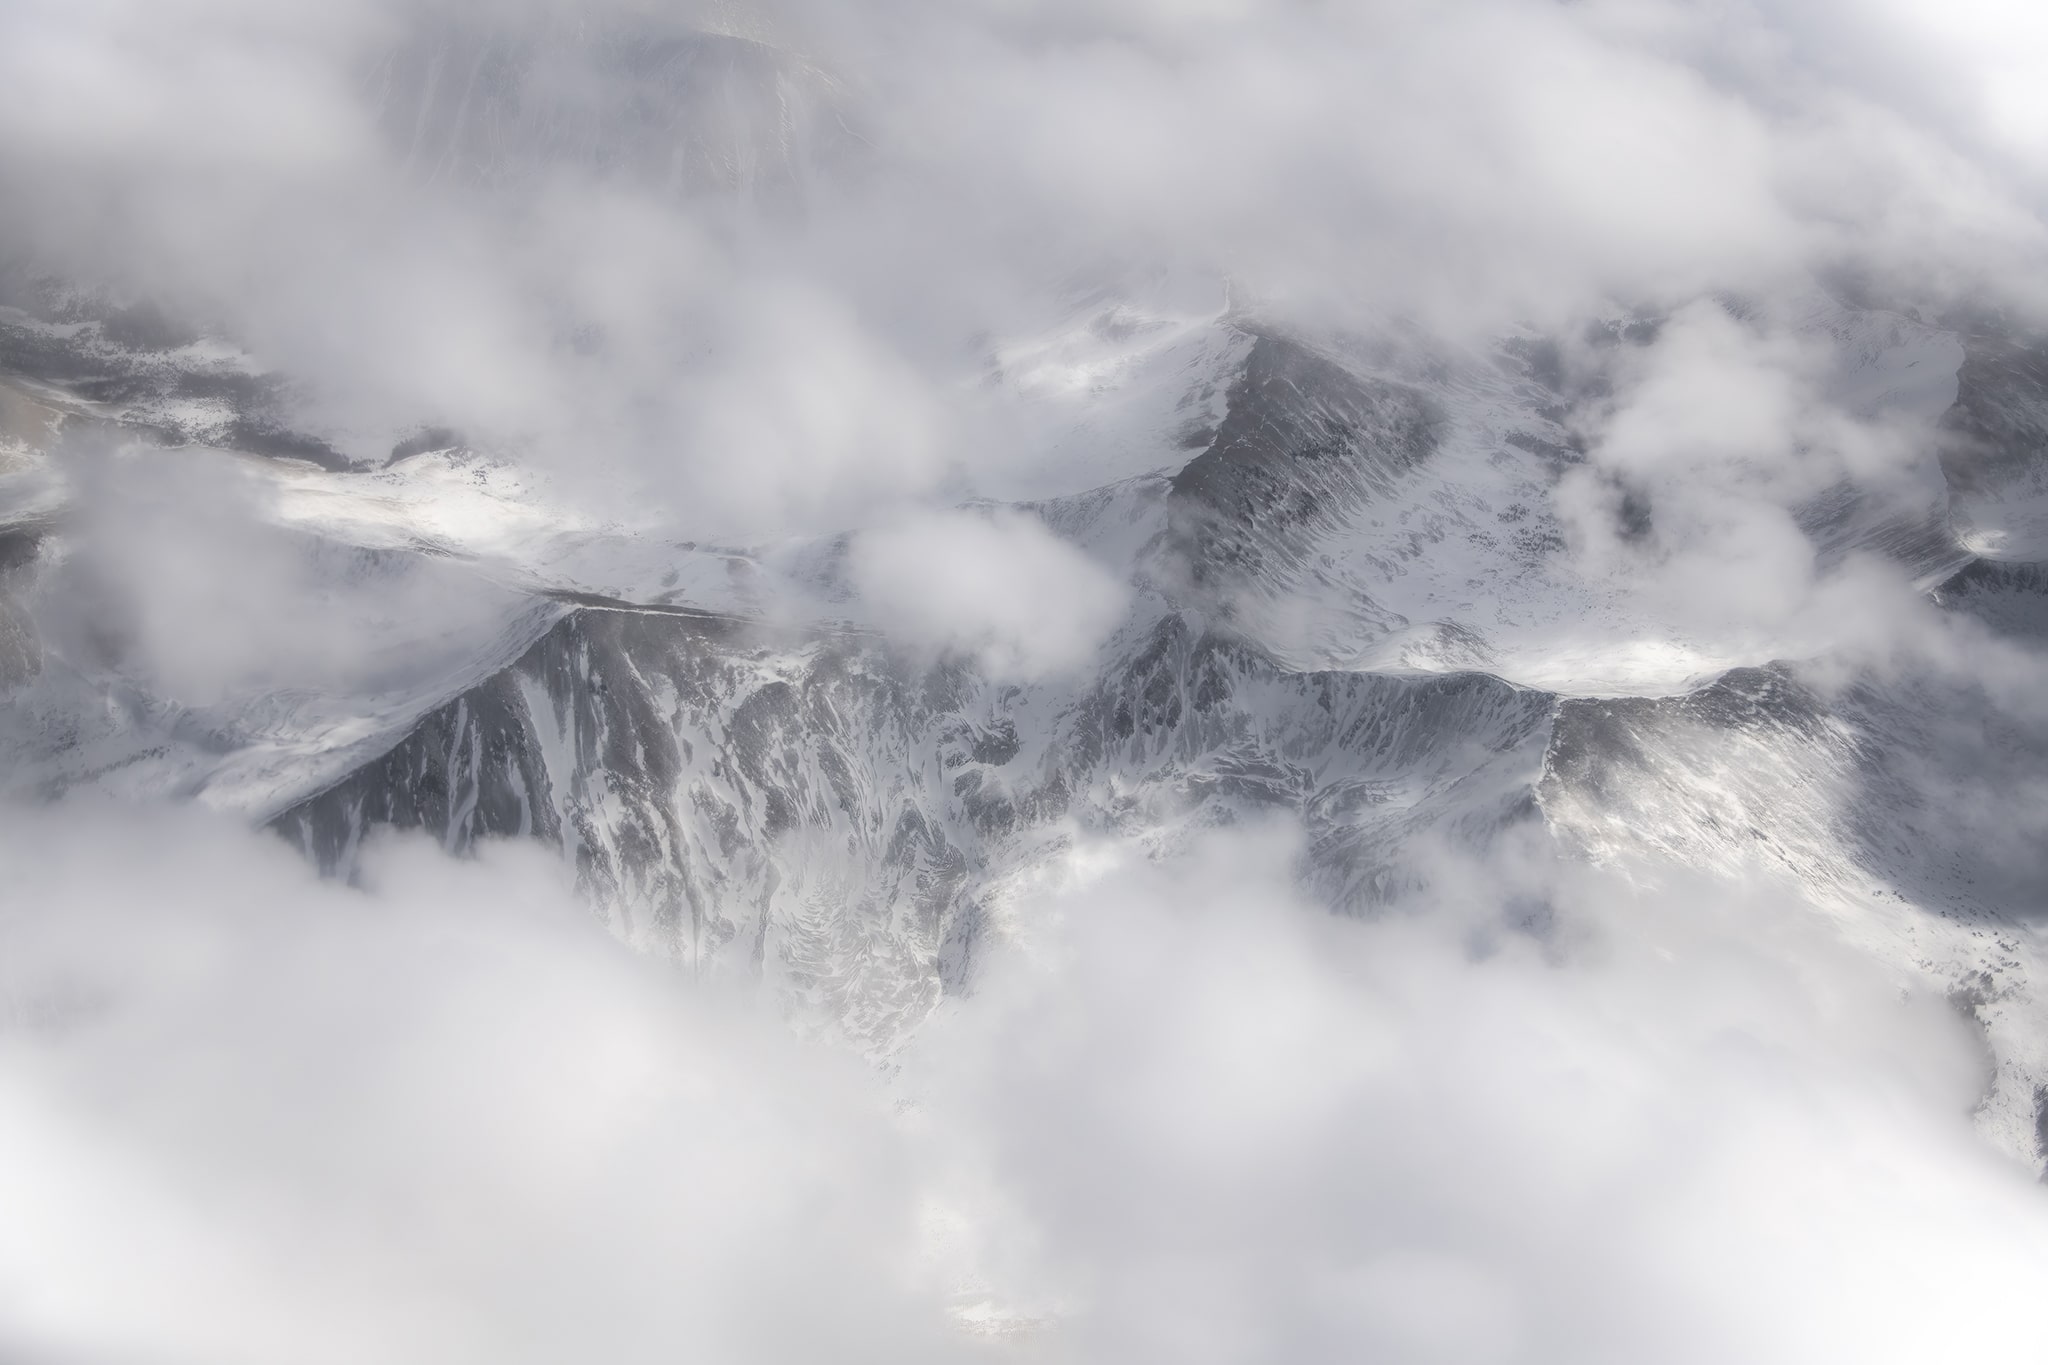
<point>759,289</point>
<point>1678,1124</point>
<point>251,1117</point>
<point>1188,1117</point>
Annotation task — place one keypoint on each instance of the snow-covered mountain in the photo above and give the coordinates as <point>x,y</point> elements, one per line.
<point>1355,601</point>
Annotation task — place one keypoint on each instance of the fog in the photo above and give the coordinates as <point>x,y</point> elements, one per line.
<point>253,1117</point>
<point>444,1117</point>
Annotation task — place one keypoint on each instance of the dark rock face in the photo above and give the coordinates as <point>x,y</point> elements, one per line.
<point>2012,599</point>
<point>720,796</point>
<point>1998,428</point>
<point>844,821</point>
<point>467,772</point>
<point>127,362</point>
<point>425,440</point>
<point>1995,445</point>
<point>1305,445</point>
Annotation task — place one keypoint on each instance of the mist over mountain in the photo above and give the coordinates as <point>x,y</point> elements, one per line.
<point>1209,681</point>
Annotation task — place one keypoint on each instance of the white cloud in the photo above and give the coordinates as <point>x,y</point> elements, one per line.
<point>175,578</point>
<point>252,1117</point>
<point>999,586</point>
<point>1717,437</point>
<point>1238,1129</point>
<point>672,335</point>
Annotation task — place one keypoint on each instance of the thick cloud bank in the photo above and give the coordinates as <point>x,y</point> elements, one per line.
<point>748,262</point>
<point>251,1117</point>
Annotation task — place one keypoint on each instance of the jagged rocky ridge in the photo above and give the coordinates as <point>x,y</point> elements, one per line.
<point>105,357</point>
<point>843,818</point>
<point>1347,610</point>
<point>847,819</point>
<point>1995,458</point>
